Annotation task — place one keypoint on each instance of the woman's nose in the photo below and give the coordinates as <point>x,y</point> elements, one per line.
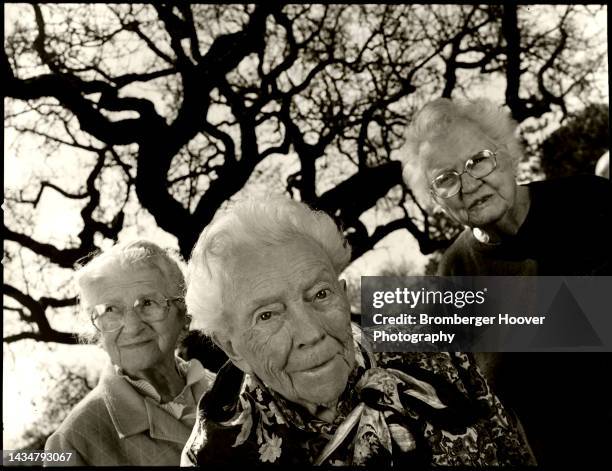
<point>469,184</point>
<point>131,320</point>
<point>306,326</point>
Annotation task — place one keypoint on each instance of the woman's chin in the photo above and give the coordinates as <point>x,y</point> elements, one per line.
<point>324,385</point>
<point>325,397</point>
<point>485,217</point>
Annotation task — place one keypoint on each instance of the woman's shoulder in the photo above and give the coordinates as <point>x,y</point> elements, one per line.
<point>456,255</point>
<point>574,187</point>
<point>584,198</point>
<point>94,400</point>
<point>87,413</point>
<point>463,241</point>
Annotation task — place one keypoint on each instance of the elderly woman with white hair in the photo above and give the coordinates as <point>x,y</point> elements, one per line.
<point>143,409</point>
<point>462,157</point>
<point>300,387</point>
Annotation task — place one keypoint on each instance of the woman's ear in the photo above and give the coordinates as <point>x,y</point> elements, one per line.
<point>225,343</point>
<point>184,329</point>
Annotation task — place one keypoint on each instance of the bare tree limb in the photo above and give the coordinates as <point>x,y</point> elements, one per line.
<point>38,317</point>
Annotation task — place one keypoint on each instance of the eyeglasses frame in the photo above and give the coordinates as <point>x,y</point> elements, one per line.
<point>167,301</point>
<point>465,170</point>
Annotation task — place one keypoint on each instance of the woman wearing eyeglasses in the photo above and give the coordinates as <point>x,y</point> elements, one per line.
<point>463,157</point>
<point>144,407</point>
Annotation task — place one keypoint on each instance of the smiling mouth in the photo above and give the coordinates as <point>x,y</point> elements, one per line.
<point>479,201</point>
<point>136,344</point>
<point>317,366</point>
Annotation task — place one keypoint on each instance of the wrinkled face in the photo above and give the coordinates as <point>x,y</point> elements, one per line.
<point>290,322</point>
<point>480,202</point>
<point>138,345</point>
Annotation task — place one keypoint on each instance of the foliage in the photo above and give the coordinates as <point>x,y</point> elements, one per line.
<point>576,146</point>
<point>67,387</point>
<point>432,264</point>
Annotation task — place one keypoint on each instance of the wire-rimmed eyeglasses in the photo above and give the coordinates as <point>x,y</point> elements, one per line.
<point>480,165</point>
<point>109,317</point>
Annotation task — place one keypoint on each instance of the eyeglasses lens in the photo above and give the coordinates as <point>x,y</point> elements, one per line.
<point>448,184</point>
<point>110,317</point>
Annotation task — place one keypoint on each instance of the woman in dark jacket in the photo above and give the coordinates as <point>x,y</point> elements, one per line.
<point>462,157</point>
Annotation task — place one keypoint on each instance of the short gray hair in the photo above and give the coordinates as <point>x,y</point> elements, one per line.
<point>440,115</point>
<point>252,223</point>
<point>135,254</point>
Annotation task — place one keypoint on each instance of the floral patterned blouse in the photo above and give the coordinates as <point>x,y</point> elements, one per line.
<point>397,409</point>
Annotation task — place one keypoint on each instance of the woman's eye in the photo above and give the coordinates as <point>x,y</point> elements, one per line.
<point>445,179</point>
<point>322,294</point>
<point>264,316</point>
<point>478,161</point>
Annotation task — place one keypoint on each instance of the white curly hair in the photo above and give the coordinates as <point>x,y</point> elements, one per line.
<point>252,224</point>
<point>436,118</point>
<point>134,254</point>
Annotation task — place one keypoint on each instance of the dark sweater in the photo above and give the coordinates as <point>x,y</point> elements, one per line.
<point>561,398</point>
<point>564,233</point>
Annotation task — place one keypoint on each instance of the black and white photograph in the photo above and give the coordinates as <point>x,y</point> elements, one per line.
<point>193,193</point>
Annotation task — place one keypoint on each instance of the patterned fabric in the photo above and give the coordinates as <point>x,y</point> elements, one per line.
<point>410,409</point>
<point>492,437</point>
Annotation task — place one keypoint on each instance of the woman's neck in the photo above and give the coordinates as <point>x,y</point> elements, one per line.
<point>164,377</point>
<point>512,221</point>
<point>325,412</point>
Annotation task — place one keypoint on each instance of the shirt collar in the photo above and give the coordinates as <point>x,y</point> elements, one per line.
<point>133,413</point>
<point>192,371</point>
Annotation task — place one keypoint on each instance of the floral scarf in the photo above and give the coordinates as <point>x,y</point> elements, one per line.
<point>386,416</point>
